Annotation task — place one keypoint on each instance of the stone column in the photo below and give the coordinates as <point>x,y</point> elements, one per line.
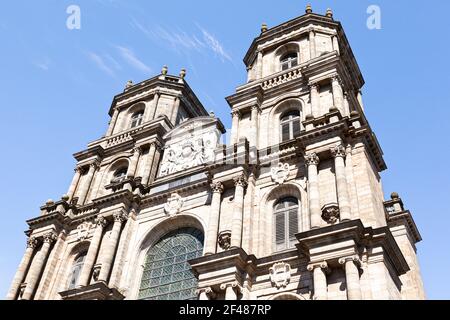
<point>86,270</point>
<point>235,127</point>
<point>119,218</point>
<point>338,94</point>
<point>254,126</point>
<point>214,216</point>
<point>338,153</point>
<point>346,105</point>
<point>149,164</point>
<point>320,280</point>
<point>236,230</point>
<point>137,151</point>
<point>176,108</point>
<point>23,267</point>
<point>112,123</point>
<point>154,106</point>
<point>87,183</point>
<point>260,65</point>
<point>312,44</point>
<point>359,97</point>
<point>74,184</point>
<point>38,266</point>
<point>315,100</point>
<point>336,44</point>
<point>312,162</point>
<point>352,277</point>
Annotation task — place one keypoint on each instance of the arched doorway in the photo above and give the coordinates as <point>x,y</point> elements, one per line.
<point>167,274</point>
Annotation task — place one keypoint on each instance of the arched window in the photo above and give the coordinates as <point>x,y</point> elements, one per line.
<point>137,118</point>
<point>167,273</point>
<point>290,125</point>
<point>119,175</point>
<point>289,60</point>
<point>286,223</point>
<point>76,270</point>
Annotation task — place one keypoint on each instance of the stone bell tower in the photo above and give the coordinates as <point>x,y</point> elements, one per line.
<point>291,208</point>
<point>314,222</point>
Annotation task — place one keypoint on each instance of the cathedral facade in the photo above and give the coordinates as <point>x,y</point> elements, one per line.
<point>291,207</point>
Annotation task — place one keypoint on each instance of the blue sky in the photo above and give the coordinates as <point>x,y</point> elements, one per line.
<point>56,86</point>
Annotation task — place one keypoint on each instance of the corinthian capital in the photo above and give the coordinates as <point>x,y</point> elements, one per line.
<point>50,237</point>
<point>236,114</point>
<point>32,242</point>
<point>137,150</point>
<point>120,216</point>
<point>217,187</point>
<point>338,151</point>
<point>100,221</point>
<point>312,159</point>
<point>240,181</point>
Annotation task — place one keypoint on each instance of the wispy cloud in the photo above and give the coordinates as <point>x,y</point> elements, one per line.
<point>182,42</point>
<point>100,62</point>
<point>128,55</point>
<point>215,45</point>
<point>43,64</point>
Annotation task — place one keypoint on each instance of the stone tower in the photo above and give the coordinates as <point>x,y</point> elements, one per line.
<point>291,208</point>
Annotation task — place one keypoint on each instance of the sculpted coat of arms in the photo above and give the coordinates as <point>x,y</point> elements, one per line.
<point>280,274</point>
<point>173,205</point>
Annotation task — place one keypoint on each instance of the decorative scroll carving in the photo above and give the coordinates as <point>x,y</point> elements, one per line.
<point>280,173</point>
<point>173,205</point>
<point>197,148</point>
<point>224,239</point>
<point>280,274</point>
<point>83,230</point>
<point>330,213</point>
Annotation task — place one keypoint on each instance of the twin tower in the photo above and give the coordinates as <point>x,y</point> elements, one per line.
<point>290,208</point>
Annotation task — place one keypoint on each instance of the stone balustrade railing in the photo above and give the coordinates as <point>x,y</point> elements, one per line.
<point>278,79</point>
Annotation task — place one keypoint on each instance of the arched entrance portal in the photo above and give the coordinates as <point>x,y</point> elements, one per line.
<point>167,273</point>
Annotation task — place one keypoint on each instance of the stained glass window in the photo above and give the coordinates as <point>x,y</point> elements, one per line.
<point>167,273</point>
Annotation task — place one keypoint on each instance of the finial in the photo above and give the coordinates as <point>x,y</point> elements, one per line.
<point>308,9</point>
<point>182,73</point>
<point>164,70</point>
<point>129,84</point>
<point>263,27</point>
<point>394,196</point>
<point>212,114</point>
<point>65,197</point>
<point>50,202</point>
<point>329,13</point>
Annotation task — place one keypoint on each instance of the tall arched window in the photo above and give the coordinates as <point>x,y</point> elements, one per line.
<point>285,223</point>
<point>119,175</point>
<point>167,273</point>
<point>137,118</point>
<point>76,270</point>
<point>290,125</point>
<point>289,60</point>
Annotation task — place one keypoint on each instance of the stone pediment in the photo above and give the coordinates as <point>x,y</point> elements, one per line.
<point>190,144</point>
